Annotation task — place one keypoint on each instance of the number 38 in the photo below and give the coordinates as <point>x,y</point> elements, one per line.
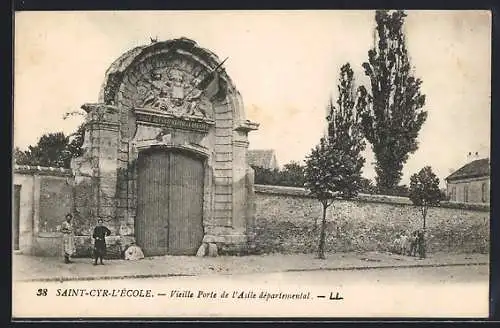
<point>41,292</point>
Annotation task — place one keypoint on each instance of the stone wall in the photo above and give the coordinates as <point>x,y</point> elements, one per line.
<point>55,202</point>
<point>286,217</point>
<point>46,197</point>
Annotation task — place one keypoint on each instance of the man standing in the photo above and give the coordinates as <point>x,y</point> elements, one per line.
<point>68,238</point>
<point>100,233</point>
<point>421,243</point>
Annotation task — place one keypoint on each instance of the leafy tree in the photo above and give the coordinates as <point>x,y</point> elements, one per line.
<point>76,141</point>
<point>266,176</point>
<point>392,115</point>
<point>400,190</point>
<point>19,156</point>
<point>52,149</point>
<point>344,119</point>
<point>293,174</point>
<point>333,168</point>
<point>424,193</point>
<point>424,190</point>
<point>366,186</point>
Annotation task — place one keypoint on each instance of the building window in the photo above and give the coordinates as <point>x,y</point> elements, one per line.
<point>454,193</point>
<point>466,193</point>
<point>483,193</point>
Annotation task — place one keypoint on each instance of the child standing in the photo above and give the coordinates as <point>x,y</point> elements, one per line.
<point>100,233</point>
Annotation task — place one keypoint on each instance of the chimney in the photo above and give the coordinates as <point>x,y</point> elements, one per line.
<point>472,156</point>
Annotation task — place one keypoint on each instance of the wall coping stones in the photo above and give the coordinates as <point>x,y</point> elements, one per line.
<point>394,200</point>
<point>42,170</point>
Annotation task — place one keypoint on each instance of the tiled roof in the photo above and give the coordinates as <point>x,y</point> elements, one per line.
<point>260,157</point>
<point>477,168</point>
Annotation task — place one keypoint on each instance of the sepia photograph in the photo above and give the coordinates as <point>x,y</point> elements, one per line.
<point>264,164</point>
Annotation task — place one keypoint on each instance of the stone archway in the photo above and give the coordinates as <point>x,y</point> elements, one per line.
<point>172,94</point>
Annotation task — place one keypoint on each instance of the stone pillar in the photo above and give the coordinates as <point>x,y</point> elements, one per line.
<point>240,145</point>
<point>103,131</point>
<point>237,241</point>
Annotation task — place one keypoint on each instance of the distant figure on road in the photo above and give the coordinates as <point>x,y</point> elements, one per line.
<point>405,245</point>
<point>100,233</point>
<point>396,245</point>
<point>401,244</point>
<point>68,238</point>
<point>414,243</point>
<point>421,243</point>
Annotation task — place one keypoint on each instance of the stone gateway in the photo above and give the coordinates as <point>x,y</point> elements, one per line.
<point>165,155</point>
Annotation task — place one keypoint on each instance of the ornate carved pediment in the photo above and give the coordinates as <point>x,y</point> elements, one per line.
<point>175,91</point>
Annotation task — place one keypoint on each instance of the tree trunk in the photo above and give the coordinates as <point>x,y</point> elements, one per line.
<point>424,212</point>
<point>423,246</point>
<point>321,248</point>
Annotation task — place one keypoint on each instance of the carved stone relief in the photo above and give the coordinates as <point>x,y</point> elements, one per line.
<point>174,91</point>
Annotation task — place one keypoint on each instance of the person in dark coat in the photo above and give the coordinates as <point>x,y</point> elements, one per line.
<point>414,243</point>
<point>99,235</point>
<point>421,244</point>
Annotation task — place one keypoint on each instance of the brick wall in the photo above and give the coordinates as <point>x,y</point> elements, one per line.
<point>285,220</point>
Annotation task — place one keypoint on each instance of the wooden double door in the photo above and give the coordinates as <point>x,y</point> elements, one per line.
<point>169,202</point>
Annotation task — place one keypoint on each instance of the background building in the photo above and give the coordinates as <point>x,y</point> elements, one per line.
<point>470,183</point>
<point>265,158</point>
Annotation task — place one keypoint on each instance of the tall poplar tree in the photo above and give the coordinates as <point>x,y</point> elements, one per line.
<point>333,168</point>
<point>392,115</point>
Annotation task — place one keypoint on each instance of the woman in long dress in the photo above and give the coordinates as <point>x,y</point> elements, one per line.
<point>68,238</point>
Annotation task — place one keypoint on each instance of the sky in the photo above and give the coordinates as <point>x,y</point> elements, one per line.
<point>285,65</point>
